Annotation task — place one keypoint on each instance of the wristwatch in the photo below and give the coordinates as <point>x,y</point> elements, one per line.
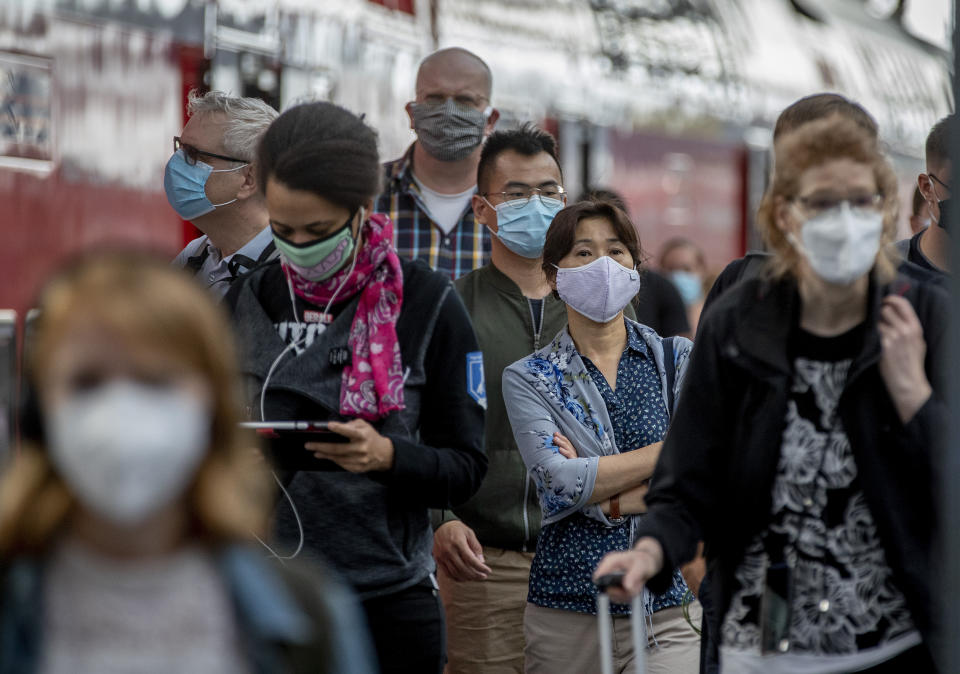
<point>615,509</point>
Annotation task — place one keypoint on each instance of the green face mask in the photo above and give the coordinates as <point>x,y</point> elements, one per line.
<point>320,259</point>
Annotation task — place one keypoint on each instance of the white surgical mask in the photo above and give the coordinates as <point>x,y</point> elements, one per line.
<point>599,290</point>
<point>841,244</point>
<point>127,449</point>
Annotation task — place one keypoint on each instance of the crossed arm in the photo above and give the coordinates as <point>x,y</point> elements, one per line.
<point>625,474</point>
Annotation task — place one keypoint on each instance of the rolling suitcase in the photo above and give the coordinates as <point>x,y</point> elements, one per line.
<point>638,631</point>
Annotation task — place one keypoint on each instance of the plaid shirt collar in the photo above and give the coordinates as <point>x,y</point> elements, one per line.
<point>401,173</point>
<point>400,177</point>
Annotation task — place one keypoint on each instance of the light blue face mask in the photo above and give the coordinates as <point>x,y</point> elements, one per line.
<point>523,230</point>
<point>689,285</point>
<point>185,186</point>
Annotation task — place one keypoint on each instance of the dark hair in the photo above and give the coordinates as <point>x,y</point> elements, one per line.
<point>324,149</point>
<point>918,201</point>
<point>819,106</point>
<point>607,195</point>
<point>563,232</point>
<point>526,140</point>
<point>938,142</point>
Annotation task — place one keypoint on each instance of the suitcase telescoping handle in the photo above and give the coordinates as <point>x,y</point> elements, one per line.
<point>605,625</point>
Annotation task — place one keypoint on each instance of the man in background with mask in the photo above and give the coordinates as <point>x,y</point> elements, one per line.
<point>211,181</point>
<point>685,263</point>
<point>427,192</point>
<point>930,248</point>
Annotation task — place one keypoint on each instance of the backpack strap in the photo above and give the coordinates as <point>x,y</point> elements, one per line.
<point>241,264</point>
<point>670,369</point>
<point>195,262</point>
<point>268,253</point>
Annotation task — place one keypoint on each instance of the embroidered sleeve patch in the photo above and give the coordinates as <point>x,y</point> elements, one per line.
<point>476,386</point>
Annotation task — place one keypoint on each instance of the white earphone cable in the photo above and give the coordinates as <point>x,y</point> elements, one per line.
<point>301,337</point>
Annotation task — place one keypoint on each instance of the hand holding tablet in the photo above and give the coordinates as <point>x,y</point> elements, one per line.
<point>365,451</point>
<point>284,442</point>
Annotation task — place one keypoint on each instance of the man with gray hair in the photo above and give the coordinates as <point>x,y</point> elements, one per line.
<point>211,181</point>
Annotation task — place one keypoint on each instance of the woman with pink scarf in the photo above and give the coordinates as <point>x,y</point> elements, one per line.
<point>340,330</point>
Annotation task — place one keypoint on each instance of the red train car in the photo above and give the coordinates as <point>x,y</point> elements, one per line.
<point>88,107</point>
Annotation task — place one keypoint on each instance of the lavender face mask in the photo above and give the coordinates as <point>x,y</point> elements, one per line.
<point>599,290</point>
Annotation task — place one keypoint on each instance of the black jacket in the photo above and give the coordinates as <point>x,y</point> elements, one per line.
<point>714,478</point>
<point>373,528</point>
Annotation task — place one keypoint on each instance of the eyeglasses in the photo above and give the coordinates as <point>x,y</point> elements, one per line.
<point>192,154</point>
<point>939,182</point>
<point>816,205</point>
<point>519,197</point>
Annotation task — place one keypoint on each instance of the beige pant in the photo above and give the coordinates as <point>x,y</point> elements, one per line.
<point>565,642</point>
<point>485,617</point>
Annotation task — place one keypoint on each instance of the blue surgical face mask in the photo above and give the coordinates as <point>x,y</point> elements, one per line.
<point>689,285</point>
<point>524,229</point>
<point>185,185</point>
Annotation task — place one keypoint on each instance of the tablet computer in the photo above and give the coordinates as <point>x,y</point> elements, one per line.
<point>284,443</point>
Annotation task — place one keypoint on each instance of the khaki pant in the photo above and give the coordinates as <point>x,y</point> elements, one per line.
<point>566,642</point>
<point>485,617</point>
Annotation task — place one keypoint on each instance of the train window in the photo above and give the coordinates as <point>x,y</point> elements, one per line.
<point>26,120</point>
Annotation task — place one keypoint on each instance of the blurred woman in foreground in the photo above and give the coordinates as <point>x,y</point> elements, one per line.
<point>122,522</point>
<point>803,451</point>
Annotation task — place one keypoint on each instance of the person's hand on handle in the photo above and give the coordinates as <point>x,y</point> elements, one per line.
<point>458,552</point>
<point>564,447</point>
<point>639,565</point>
<point>367,450</point>
<point>902,356</point>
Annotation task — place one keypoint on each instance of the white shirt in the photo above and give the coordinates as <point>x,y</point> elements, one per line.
<point>168,614</point>
<point>445,209</point>
<point>215,272</point>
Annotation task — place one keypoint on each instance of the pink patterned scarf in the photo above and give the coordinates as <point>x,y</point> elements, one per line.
<point>372,384</point>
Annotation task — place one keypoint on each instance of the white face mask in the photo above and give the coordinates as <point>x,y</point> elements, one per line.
<point>841,244</point>
<point>127,449</point>
<point>599,290</point>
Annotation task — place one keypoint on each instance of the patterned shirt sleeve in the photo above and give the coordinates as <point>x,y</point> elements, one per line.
<point>563,485</point>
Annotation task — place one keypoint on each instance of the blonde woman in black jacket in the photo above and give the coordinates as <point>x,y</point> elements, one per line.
<point>803,450</point>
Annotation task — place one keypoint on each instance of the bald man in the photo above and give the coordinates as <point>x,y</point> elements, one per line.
<point>428,191</point>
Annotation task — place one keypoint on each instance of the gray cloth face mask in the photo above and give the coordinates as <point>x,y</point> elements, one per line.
<point>449,132</point>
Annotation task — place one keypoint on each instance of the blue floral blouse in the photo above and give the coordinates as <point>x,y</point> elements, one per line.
<point>569,549</point>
